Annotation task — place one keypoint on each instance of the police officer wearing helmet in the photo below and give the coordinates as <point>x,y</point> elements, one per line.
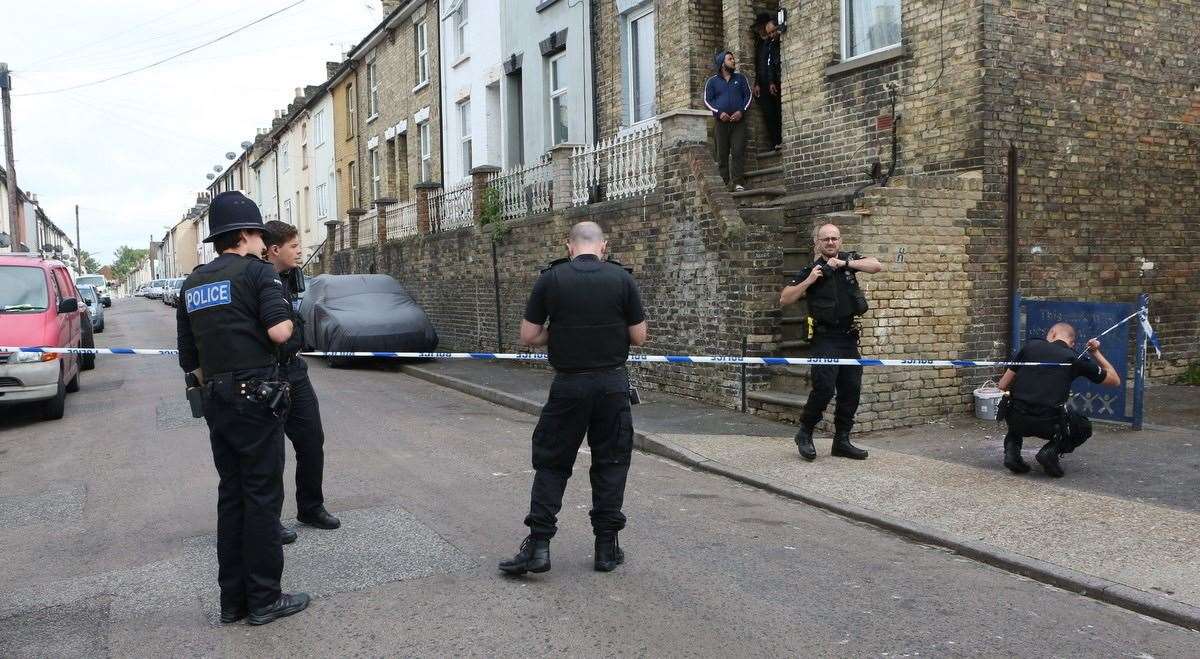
<point>233,318</point>
<point>594,309</point>
<point>303,426</point>
<point>830,285</point>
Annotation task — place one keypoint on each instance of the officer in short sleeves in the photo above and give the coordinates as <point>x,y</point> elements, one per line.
<point>233,317</point>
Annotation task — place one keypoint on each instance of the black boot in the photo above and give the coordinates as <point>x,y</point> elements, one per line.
<point>1048,458</point>
<point>533,557</point>
<point>804,443</point>
<point>608,553</point>
<point>842,448</point>
<point>1012,456</point>
<point>286,535</point>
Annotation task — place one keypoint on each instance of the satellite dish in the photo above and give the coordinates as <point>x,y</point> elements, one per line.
<point>210,176</point>
<point>247,144</point>
<point>231,156</point>
<point>217,168</point>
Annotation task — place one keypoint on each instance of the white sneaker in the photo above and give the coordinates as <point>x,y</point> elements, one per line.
<point>739,188</point>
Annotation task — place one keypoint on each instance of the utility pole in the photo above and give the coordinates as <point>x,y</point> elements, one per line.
<point>14,208</point>
<point>78,245</point>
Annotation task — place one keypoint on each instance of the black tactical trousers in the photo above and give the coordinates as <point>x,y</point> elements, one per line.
<point>829,380</point>
<point>304,429</point>
<point>1070,429</point>
<point>596,404</point>
<point>247,445</point>
<point>773,116</point>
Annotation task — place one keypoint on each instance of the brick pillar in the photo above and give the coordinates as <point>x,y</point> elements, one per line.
<point>685,127</point>
<point>381,205</point>
<point>330,245</point>
<point>424,189</point>
<point>355,215</point>
<point>479,181</point>
<point>560,173</point>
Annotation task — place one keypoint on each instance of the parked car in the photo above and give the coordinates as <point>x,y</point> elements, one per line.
<point>171,291</point>
<point>95,307</point>
<point>39,306</point>
<point>99,283</point>
<point>154,291</point>
<point>344,313</point>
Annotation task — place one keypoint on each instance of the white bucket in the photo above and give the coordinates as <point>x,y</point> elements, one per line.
<point>987,398</point>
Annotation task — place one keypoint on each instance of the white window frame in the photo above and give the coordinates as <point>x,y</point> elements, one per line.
<point>372,90</point>
<point>421,47</point>
<point>463,109</point>
<point>304,145</point>
<point>426,144</point>
<point>322,200</point>
<point>373,156</point>
<point>555,94</point>
<point>630,83</point>
<point>283,155</point>
<point>351,110</point>
<point>287,211</point>
<point>461,19</point>
<point>845,32</point>
<point>319,127</point>
<point>352,173</point>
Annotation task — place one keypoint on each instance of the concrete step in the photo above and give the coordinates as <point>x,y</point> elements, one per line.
<point>780,398</point>
<point>794,345</point>
<point>791,384</point>
<point>750,195</point>
<point>768,155</point>
<point>768,216</point>
<point>765,171</point>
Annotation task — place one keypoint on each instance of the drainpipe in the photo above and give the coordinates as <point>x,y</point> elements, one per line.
<point>589,14</point>
<point>1010,215</point>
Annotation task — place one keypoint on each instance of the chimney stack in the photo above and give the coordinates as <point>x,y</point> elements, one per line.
<point>331,68</point>
<point>390,5</point>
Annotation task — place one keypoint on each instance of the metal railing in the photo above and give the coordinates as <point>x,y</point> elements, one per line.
<point>621,166</point>
<point>524,190</point>
<point>402,220</point>
<point>368,228</point>
<point>451,208</point>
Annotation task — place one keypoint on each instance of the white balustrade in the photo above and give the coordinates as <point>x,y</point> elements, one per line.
<point>624,165</point>
<point>524,190</point>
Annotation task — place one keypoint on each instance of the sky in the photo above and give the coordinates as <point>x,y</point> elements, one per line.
<point>133,152</point>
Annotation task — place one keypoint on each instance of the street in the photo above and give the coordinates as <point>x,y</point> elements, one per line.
<point>107,532</point>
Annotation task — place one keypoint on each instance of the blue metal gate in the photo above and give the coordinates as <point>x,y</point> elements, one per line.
<point>1033,318</point>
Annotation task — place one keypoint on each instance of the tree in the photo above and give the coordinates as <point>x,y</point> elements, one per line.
<point>126,260</point>
<point>89,264</point>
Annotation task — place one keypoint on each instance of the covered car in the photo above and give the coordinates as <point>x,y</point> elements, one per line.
<point>359,313</point>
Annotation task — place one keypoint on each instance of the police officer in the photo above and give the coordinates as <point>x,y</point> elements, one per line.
<point>233,318</point>
<point>835,300</point>
<point>594,309</point>
<point>303,424</point>
<point>1037,397</point>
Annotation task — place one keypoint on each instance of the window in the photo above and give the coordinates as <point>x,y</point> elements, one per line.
<point>319,127</point>
<point>287,211</point>
<point>374,174</point>
<point>460,30</point>
<point>426,147</point>
<point>421,48</point>
<point>373,93</point>
<point>284,162</point>
<point>351,115</point>
<point>558,99</point>
<point>640,66</point>
<point>869,26</point>
<point>322,200</point>
<point>515,119</point>
<point>464,123</point>
<point>304,145</point>
<point>352,174</point>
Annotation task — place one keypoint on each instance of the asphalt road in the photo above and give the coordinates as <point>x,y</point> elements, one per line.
<point>107,520</point>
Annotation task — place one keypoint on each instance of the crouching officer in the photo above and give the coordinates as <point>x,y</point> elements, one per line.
<point>233,319</point>
<point>303,425</point>
<point>1037,396</point>
<point>595,313</point>
<point>834,302</point>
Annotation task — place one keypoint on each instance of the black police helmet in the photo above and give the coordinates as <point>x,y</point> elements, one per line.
<point>232,211</point>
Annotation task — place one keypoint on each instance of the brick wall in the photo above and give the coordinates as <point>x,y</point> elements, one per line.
<point>1102,104</point>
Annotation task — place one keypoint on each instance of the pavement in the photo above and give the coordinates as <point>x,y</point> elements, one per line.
<point>107,531</point>
<point>1122,526</point>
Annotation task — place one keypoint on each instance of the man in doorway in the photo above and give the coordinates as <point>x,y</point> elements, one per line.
<point>768,78</point>
<point>727,95</point>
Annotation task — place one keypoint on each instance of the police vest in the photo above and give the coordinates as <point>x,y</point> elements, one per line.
<point>835,299</point>
<point>222,303</point>
<point>588,330</point>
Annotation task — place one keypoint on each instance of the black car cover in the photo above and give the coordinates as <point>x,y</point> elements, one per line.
<point>351,313</point>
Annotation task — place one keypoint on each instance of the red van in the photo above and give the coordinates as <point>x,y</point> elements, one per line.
<point>39,306</point>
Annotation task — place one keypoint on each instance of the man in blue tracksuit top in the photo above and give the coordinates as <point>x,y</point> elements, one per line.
<point>727,95</point>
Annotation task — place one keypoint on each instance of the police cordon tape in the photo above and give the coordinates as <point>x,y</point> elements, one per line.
<point>633,359</point>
